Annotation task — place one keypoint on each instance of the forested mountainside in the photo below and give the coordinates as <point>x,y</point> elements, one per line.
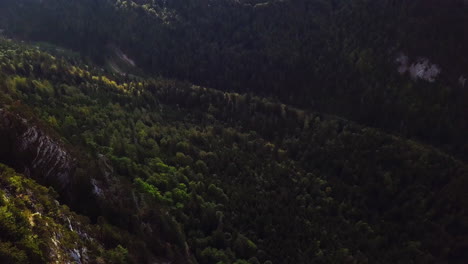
<point>35,227</point>
<point>165,171</point>
<point>218,132</point>
<point>398,65</point>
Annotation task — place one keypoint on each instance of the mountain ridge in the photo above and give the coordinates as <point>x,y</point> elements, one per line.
<point>198,175</point>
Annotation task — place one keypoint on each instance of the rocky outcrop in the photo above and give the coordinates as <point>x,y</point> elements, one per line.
<point>28,149</point>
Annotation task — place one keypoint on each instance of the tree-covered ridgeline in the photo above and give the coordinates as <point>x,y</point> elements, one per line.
<point>192,174</point>
<point>332,56</point>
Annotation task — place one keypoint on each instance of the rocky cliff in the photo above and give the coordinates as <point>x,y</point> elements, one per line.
<point>29,150</point>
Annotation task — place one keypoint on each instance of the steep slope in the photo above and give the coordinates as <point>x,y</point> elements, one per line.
<point>31,151</point>
<point>35,228</point>
<point>198,175</point>
<point>337,57</point>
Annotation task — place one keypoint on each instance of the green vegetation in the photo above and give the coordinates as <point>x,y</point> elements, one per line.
<point>34,228</point>
<point>331,56</point>
<point>197,175</point>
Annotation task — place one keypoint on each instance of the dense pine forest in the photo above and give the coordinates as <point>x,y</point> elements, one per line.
<point>233,132</point>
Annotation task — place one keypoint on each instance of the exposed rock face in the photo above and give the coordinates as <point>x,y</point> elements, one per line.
<point>422,68</point>
<point>29,150</point>
<point>462,81</point>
